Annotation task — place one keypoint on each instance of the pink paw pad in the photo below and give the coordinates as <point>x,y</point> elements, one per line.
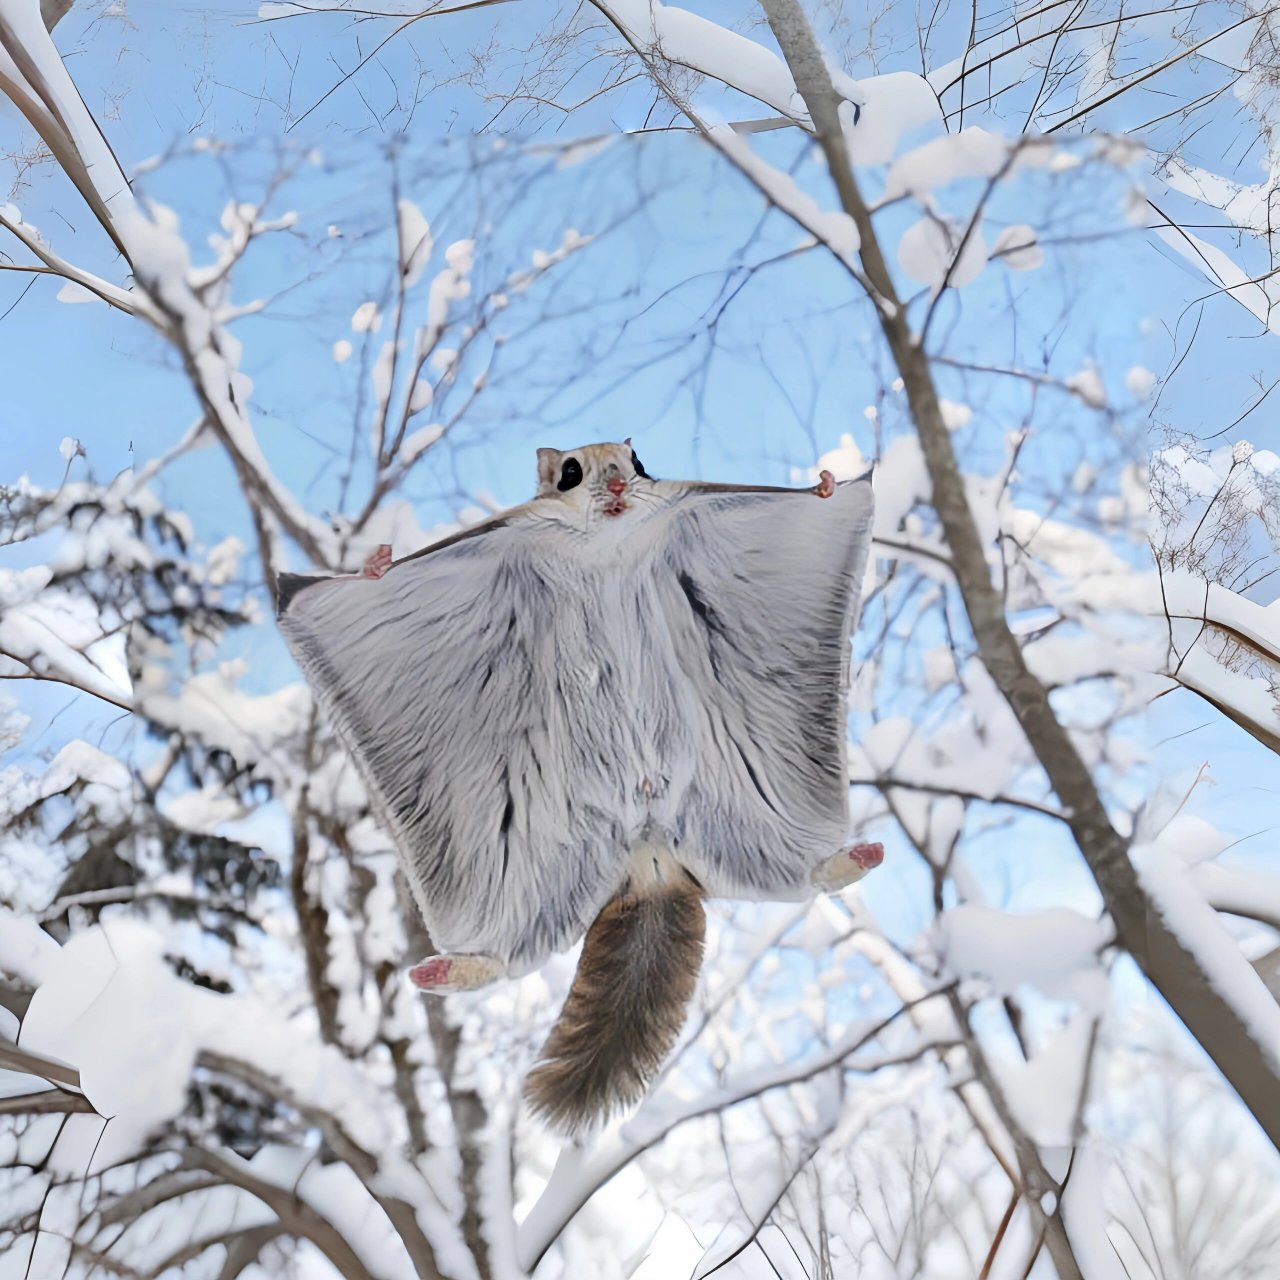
<point>867,855</point>
<point>826,485</point>
<point>431,973</point>
<point>378,563</point>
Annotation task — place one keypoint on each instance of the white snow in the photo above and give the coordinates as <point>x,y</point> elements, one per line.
<point>415,241</point>
<point>1017,248</point>
<point>1138,382</point>
<point>110,1005</point>
<point>954,415</point>
<point>421,396</point>
<point>205,809</point>
<point>136,1030</point>
<point>1223,271</point>
<point>706,46</point>
<point>1187,596</point>
<point>1087,384</point>
<point>26,950</point>
<point>366,318</point>
<point>893,106</point>
<point>928,248</point>
<point>418,442</point>
<point>971,153</point>
<point>1056,951</point>
<point>74,292</point>
<point>210,706</point>
<point>1044,1091</point>
<point>1168,884</point>
<point>382,372</point>
<point>449,285</point>
<point>56,635</point>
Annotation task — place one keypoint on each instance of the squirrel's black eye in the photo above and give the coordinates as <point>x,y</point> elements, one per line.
<point>570,474</point>
<point>638,467</point>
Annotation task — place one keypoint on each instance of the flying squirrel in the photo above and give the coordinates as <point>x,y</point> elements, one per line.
<point>587,714</point>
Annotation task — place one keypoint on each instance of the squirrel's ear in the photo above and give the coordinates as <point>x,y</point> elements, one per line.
<point>548,465</point>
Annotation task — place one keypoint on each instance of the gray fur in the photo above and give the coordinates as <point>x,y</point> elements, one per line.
<point>532,700</point>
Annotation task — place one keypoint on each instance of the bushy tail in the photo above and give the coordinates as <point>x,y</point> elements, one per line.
<point>639,966</point>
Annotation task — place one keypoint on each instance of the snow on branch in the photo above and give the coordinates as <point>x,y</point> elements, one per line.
<point>1164,957</point>
<point>1182,906</point>
<point>186,305</point>
<point>579,1175</point>
<point>69,620</point>
<point>689,40</point>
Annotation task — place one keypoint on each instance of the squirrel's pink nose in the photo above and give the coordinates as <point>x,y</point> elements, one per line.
<point>616,485</point>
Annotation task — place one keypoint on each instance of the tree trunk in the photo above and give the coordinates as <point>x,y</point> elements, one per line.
<point>1174,971</point>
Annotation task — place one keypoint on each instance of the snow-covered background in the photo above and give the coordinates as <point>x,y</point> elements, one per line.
<point>284,282</point>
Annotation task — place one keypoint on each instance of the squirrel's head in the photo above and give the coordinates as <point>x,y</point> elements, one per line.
<point>595,477</point>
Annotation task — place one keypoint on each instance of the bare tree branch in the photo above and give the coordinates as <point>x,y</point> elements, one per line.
<point>1172,967</point>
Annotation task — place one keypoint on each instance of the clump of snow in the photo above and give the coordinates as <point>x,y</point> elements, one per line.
<point>954,416</point>
<point>107,778</point>
<point>210,706</point>
<point>415,240</point>
<point>928,248</point>
<point>460,255</point>
<point>893,105</point>
<point>418,442</point>
<point>1241,452</point>
<point>1087,384</point>
<point>224,561</point>
<point>448,285</point>
<point>1018,249</point>
<point>110,1005</point>
<point>75,293</point>
<point>1056,951</point>
<point>26,950</point>
<point>1138,382</point>
<point>971,153</point>
<point>712,49</point>
<point>1161,866</point>
<point>939,667</point>
<point>59,635</point>
<point>1044,1091</point>
<point>382,372</point>
<point>341,351</point>
<point>366,318</point>
<point>204,810</point>
<point>422,395</point>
